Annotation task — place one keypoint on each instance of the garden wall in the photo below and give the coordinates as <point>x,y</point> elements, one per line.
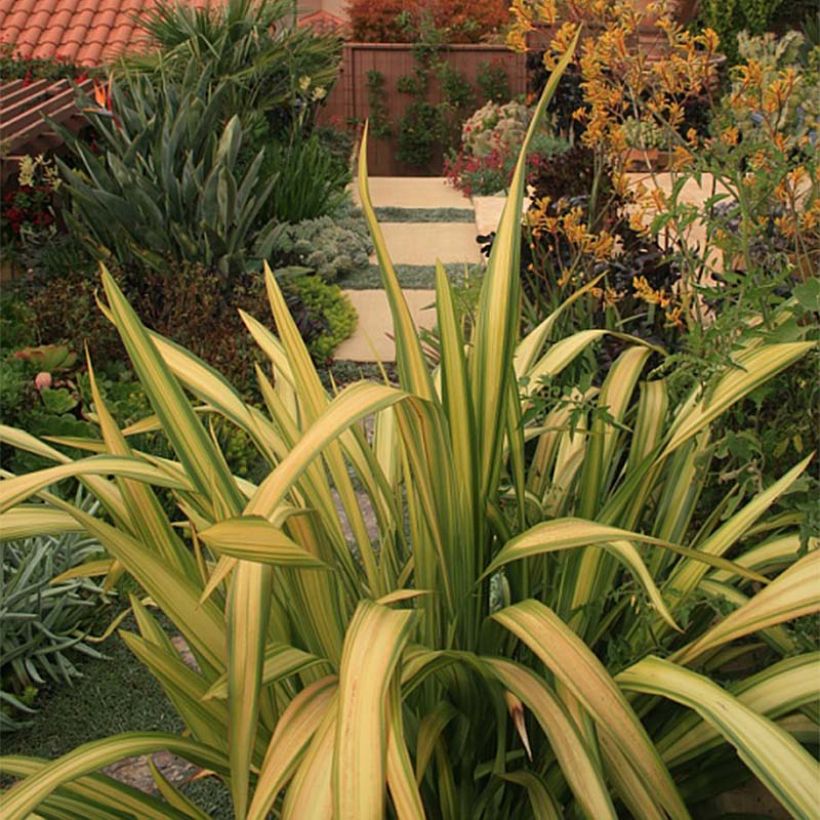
<point>349,102</point>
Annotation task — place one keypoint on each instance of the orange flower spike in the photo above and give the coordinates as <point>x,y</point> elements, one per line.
<point>682,158</point>
<point>658,199</point>
<point>102,94</point>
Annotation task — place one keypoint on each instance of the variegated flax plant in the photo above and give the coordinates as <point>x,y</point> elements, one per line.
<point>454,659</point>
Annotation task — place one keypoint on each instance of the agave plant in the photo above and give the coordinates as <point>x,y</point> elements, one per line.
<point>448,660</point>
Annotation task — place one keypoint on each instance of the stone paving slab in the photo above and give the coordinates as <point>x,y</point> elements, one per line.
<point>413,192</point>
<point>372,340</point>
<point>412,243</point>
<point>488,210</point>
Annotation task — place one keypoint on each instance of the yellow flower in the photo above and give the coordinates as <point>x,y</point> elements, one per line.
<point>644,291</point>
<point>28,165</point>
<point>730,136</point>
<point>612,297</point>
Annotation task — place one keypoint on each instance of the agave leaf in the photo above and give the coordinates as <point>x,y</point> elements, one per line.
<point>775,758</point>
<point>571,661</point>
<point>373,644</point>
<point>22,798</point>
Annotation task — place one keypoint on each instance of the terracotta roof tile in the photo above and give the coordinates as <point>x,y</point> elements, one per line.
<point>85,32</point>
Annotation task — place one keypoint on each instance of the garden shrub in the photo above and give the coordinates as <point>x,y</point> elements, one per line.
<point>310,181</point>
<point>332,247</point>
<point>184,197</point>
<point>12,67</point>
<point>191,303</point>
<point>322,304</point>
<point>536,590</point>
<point>400,21</point>
<point>490,140</point>
<point>731,19</point>
<point>270,67</point>
<point>29,211</point>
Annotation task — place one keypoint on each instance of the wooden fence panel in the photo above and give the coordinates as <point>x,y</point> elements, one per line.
<point>348,103</point>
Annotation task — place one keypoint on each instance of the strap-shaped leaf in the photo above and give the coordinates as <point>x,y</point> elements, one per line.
<point>252,538</point>
<point>248,615</point>
<point>373,644</point>
<point>24,797</point>
<point>577,763</point>
<point>572,662</point>
<point>294,730</point>
<point>22,487</point>
<point>775,758</point>
<point>792,594</point>
<point>93,791</point>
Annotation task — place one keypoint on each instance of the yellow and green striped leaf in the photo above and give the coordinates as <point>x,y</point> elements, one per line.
<point>775,758</point>
<point>572,662</point>
<point>294,731</point>
<point>253,538</point>
<point>577,762</point>
<point>22,798</point>
<point>373,644</point>
<point>792,594</point>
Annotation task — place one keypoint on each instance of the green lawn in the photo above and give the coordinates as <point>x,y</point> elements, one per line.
<point>114,695</point>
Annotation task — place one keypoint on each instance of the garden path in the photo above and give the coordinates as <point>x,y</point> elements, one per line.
<point>424,220</point>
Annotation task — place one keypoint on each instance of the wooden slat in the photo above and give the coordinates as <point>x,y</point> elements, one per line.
<point>23,107</point>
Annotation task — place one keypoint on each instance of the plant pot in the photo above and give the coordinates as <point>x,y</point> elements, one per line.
<point>682,10</point>
<point>9,269</point>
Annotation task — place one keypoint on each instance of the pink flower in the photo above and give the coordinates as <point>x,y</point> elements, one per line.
<point>42,380</point>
